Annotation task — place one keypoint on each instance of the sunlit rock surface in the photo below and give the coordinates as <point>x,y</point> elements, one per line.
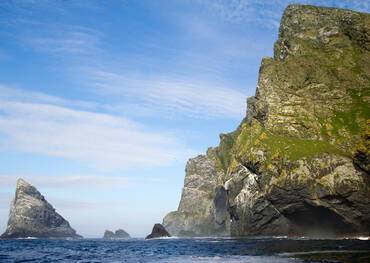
<point>299,163</point>
<point>195,215</point>
<point>32,216</point>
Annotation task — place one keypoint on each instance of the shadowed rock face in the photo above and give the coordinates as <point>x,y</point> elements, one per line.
<point>158,231</point>
<point>120,233</point>
<point>298,164</point>
<point>195,215</point>
<point>32,216</point>
<point>221,205</point>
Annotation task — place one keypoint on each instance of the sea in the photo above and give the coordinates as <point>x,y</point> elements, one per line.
<point>252,250</point>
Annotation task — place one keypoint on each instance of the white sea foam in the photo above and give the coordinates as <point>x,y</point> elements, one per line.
<point>358,238</point>
<point>164,238</point>
<point>229,259</point>
<point>290,254</point>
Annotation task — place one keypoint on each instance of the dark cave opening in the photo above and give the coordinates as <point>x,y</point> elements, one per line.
<point>318,221</point>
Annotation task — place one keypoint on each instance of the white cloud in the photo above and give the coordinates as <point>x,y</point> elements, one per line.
<point>267,13</point>
<point>98,139</point>
<point>17,94</point>
<point>47,32</point>
<point>5,200</point>
<point>172,94</point>
<point>164,93</point>
<point>219,40</point>
<point>63,39</point>
<point>51,184</point>
<point>68,181</point>
<point>74,205</point>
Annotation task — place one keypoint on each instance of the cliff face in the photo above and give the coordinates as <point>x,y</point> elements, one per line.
<point>32,216</point>
<point>195,215</point>
<point>298,164</point>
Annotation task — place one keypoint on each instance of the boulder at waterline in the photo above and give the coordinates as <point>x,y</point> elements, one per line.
<point>158,231</point>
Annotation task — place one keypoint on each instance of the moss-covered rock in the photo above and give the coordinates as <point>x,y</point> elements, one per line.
<point>299,163</point>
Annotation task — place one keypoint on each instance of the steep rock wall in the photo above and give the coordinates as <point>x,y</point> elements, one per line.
<point>298,164</point>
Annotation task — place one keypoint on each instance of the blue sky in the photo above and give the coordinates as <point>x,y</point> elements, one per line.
<point>102,102</point>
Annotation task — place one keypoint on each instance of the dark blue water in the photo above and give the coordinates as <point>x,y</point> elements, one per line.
<point>171,250</point>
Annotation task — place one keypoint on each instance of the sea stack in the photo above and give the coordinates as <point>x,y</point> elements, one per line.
<point>32,216</point>
<point>120,233</point>
<point>158,231</point>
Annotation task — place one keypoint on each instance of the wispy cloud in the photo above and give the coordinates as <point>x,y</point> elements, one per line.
<point>21,22</point>
<point>267,13</point>
<point>16,94</point>
<point>217,38</point>
<point>184,92</point>
<point>69,181</point>
<point>74,205</point>
<point>49,184</point>
<point>65,204</point>
<point>102,140</point>
<point>251,11</point>
<point>172,94</point>
<point>63,39</point>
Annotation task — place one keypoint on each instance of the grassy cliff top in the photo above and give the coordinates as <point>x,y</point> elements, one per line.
<point>313,97</point>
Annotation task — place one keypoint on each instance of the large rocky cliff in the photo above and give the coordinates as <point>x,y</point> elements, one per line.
<point>32,216</point>
<point>299,163</point>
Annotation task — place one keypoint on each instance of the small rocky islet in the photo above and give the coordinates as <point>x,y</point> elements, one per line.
<point>120,233</point>
<point>158,231</point>
<point>32,216</point>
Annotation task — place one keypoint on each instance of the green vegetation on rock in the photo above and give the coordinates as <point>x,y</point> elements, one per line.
<point>299,163</point>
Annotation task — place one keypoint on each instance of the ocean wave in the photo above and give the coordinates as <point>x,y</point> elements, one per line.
<point>362,238</point>
<point>292,254</point>
<point>229,259</point>
<point>25,238</point>
<point>163,238</point>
